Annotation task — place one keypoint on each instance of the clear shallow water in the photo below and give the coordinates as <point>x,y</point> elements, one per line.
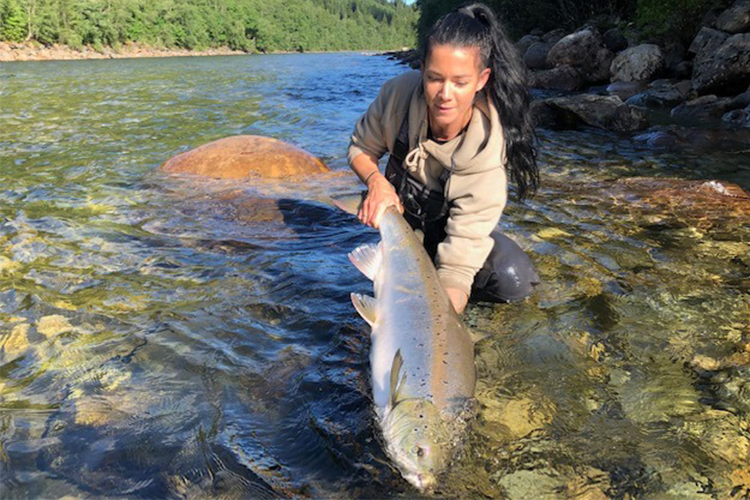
<point>163,337</point>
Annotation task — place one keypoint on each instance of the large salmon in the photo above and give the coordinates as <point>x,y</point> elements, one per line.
<point>422,356</point>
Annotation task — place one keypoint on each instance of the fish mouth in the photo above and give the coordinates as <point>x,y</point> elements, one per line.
<point>425,483</point>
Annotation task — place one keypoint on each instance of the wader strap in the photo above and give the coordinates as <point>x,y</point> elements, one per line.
<point>422,206</point>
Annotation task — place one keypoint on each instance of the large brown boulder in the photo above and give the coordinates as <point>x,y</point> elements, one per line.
<point>245,156</point>
<point>585,51</point>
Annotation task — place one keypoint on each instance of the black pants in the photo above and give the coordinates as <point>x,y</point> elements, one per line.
<point>506,276</point>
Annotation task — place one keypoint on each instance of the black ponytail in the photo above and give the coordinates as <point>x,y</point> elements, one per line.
<point>475,25</point>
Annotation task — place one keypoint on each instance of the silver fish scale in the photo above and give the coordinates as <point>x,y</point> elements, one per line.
<point>414,315</point>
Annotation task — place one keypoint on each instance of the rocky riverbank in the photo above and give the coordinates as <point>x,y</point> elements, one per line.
<point>32,51</point>
<point>617,81</point>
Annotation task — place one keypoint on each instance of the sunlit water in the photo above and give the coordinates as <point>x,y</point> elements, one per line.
<point>168,337</point>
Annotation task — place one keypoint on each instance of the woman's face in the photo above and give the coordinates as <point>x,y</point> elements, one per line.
<point>452,77</point>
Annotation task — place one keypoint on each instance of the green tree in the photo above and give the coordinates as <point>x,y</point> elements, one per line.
<point>12,21</point>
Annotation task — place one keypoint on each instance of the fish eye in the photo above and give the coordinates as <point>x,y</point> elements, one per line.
<point>420,452</point>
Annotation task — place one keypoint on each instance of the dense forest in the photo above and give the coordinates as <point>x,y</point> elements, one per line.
<point>250,25</point>
<point>653,19</point>
<point>303,25</point>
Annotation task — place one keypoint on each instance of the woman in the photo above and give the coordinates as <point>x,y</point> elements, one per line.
<point>455,131</point>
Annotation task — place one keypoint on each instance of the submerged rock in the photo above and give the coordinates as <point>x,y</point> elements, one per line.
<point>245,156</point>
<point>704,107</point>
<point>661,95</point>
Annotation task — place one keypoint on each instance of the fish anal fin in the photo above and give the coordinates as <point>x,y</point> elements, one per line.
<point>349,203</point>
<point>365,306</point>
<point>396,383</point>
<point>367,259</point>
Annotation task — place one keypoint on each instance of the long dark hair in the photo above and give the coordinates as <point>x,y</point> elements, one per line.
<point>475,25</point>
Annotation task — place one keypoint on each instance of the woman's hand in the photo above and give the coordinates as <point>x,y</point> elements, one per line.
<point>380,195</point>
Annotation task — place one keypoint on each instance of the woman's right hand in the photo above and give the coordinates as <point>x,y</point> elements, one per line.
<point>380,195</point>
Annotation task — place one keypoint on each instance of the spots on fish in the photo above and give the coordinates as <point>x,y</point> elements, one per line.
<point>403,289</point>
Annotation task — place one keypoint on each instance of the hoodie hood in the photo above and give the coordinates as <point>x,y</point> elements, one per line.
<point>481,147</point>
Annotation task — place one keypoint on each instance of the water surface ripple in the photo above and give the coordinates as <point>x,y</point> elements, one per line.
<point>166,337</point>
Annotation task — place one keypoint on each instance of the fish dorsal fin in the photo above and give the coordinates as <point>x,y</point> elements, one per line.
<point>396,383</point>
<point>367,258</point>
<point>365,306</point>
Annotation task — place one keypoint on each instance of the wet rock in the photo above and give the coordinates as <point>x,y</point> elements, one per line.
<point>637,64</point>
<point>536,55</point>
<point>511,419</point>
<point>585,51</point>
<point>245,156</point>
<point>560,78</point>
<point>704,107</point>
<point>674,136</point>
<point>15,343</point>
<point>662,95</point>
<point>605,112</point>
<point>626,90</point>
<point>725,70</point>
<point>614,40</point>
<point>706,41</point>
<point>525,484</point>
<point>525,42</point>
<point>736,19</point>
<point>739,118</point>
<point>54,325</point>
<point>590,485</point>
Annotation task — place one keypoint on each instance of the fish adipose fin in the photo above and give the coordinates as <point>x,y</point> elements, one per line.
<point>367,258</point>
<point>365,306</point>
<point>396,384</point>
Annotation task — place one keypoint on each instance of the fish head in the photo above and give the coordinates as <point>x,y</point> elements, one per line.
<point>419,440</point>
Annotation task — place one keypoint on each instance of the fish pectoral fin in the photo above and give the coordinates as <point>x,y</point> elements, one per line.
<point>367,258</point>
<point>396,383</point>
<point>365,306</point>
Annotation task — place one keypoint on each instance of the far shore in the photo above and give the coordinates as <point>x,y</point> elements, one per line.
<point>31,51</point>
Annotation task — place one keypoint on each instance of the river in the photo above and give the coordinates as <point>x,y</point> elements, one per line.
<point>166,337</point>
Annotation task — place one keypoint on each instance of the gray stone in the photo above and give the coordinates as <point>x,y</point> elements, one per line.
<point>560,78</point>
<point>663,95</point>
<point>739,118</point>
<point>707,40</point>
<point>637,64</point>
<point>615,41</point>
<point>725,70</point>
<point>683,70</point>
<point>585,51</point>
<point>525,42</point>
<point>625,90</point>
<point>674,54</point>
<point>536,55</point>
<point>704,107</point>
<point>736,19</point>
<point>740,101</point>
<point>605,112</point>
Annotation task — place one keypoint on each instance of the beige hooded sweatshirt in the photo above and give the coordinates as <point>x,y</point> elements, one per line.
<point>477,188</point>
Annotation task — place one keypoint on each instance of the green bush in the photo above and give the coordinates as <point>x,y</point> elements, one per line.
<point>12,21</point>
<point>673,19</point>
